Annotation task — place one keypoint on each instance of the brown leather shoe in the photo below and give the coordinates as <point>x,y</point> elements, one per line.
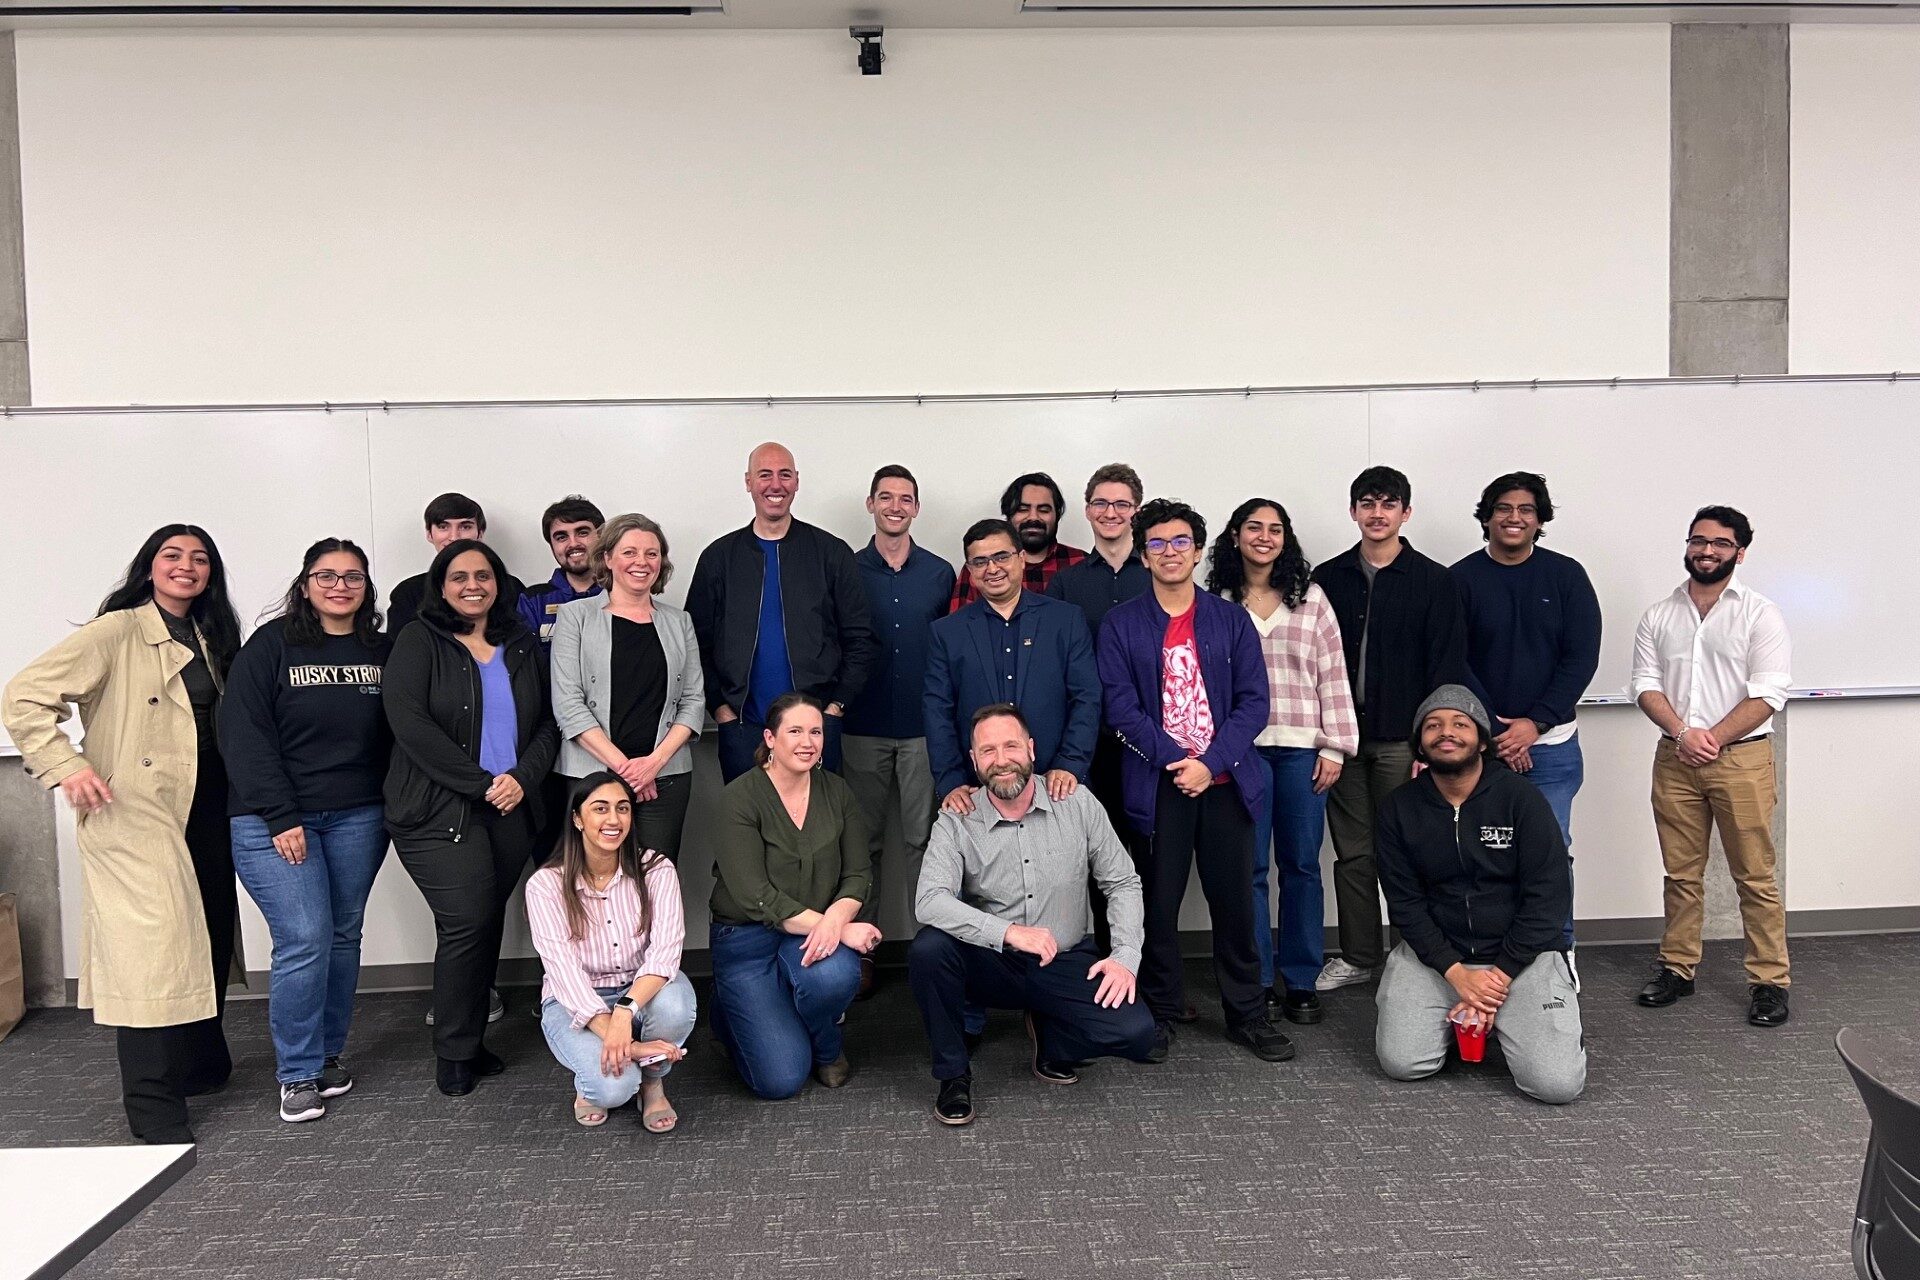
<point>832,1075</point>
<point>869,978</point>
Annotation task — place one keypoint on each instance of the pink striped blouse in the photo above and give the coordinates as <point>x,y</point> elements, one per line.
<point>608,953</point>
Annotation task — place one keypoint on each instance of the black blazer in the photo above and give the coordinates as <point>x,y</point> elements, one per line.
<point>431,691</point>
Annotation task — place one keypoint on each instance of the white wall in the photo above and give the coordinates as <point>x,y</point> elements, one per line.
<point>1855,274</point>
<point>219,217</point>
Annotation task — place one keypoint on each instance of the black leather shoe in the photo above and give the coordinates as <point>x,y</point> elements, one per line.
<point>1666,987</point>
<point>1267,1041</point>
<point>1301,1006</point>
<point>454,1078</point>
<point>954,1106</point>
<point>487,1063</point>
<point>1163,1034</point>
<point>1767,1005</point>
<point>1048,1072</point>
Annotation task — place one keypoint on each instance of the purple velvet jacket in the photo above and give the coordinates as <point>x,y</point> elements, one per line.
<point>1235,674</point>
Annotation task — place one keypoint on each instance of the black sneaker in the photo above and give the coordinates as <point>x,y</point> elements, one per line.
<point>1048,1072</point>
<point>1666,987</point>
<point>301,1101</point>
<point>335,1079</point>
<point>1767,1005</point>
<point>1267,1042</point>
<point>1163,1034</point>
<point>1301,1006</point>
<point>954,1106</point>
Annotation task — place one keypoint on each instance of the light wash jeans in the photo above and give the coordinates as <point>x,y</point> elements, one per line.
<point>668,1016</point>
<point>313,912</point>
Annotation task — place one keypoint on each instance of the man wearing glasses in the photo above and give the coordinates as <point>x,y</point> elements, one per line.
<point>1710,667</point>
<point>1009,645</point>
<point>1186,690</point>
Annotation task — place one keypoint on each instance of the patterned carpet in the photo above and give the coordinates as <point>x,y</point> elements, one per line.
<point>1704,1148</point>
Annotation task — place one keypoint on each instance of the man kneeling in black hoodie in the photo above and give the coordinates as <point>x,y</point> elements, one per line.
<point>1475,875</point>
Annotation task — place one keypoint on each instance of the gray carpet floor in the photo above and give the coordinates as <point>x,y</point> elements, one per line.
<point>1703,1148</point>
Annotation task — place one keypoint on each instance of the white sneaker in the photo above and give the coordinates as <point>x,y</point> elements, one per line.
<point>1338,973</point>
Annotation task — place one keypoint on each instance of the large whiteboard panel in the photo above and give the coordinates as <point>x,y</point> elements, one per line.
<point>1811,464</point>
<point>684,466</point>
<point>84,491</point>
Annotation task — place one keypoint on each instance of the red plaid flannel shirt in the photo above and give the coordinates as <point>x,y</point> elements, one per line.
<point>1035,579</point>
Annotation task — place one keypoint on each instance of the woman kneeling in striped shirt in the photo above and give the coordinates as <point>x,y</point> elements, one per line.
<point>606,919</point>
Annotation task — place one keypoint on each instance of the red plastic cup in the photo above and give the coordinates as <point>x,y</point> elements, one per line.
<point>1472,1041</point>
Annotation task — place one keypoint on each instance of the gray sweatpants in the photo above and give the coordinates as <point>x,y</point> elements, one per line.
<point>1538,1026</point>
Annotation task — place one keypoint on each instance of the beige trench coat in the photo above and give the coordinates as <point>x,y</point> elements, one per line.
<point>144,952</point>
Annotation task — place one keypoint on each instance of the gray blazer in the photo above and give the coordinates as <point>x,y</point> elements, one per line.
<point>582,675</point>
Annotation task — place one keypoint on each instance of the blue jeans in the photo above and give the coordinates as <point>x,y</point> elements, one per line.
<point>1293,823</point>
<point>313,912</point>
<point>1558,771</point>
<point>776,1018</point>
<point>668,1016</point>
<point>740,738</point>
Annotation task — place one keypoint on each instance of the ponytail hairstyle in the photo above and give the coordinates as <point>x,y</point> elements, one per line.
<point>303,620</point>
<point>778,711</point>
<point>211,610</point>
<point>570,856</point>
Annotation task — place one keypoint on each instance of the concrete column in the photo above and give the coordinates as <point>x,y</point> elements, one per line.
<point>15,386</point>
<point>1728,252</point>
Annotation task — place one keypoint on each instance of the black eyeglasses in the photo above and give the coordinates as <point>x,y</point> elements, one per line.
<point>997,559</point>
<point>328,578</point>
<point>1119,507</point>
<point>1179,542</point>
<point>1718,544</point>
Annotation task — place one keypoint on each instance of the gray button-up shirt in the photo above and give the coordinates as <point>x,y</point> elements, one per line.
<point>984,872</point>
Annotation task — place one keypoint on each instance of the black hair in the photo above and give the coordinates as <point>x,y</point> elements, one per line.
<point>1742,530</point>
<point>982,529</point>
<point>455,506</point>
<point>1532,481</point>
<point>211,610</point>
<point>503,619</point>
<point>571,509</point>
<point>1227,572</point>
<point>777,711</point>
<point>570,856</point>
<point>303,620</point>
<point>1164,511</point>
<point>993,709</point>
<point>1380,482</point>
<point>1011,498</point>
<point>893,471</point>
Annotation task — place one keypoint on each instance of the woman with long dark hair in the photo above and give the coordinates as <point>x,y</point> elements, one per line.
<point>306,744</point>
<point>607,922</point>
<point>792,869</point>
<point>150,794</point>
<point>1312,729</point>
<point>466,695</point>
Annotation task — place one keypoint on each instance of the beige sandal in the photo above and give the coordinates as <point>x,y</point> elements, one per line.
<point>659,1118</point>
<point>588,1114</point>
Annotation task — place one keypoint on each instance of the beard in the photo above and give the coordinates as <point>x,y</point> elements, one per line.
<point>1452,768</point>
<point>1009,782</point>
<point>1035,536</point>
<point>1707,578</point>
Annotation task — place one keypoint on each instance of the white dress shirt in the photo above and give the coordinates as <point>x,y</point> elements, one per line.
<point>1708,666</point>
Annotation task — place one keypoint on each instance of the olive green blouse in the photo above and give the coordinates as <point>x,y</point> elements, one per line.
<point>767,870</point>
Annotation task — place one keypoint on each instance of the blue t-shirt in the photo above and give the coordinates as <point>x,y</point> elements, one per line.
<point>499,736</point>
<point>772,673</point>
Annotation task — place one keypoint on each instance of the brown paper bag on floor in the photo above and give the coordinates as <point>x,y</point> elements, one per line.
<point>13,978</point>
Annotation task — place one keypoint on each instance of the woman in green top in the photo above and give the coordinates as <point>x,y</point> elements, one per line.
<point>792,870</point>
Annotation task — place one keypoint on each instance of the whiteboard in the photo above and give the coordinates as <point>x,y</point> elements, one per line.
<point>1810,463</point>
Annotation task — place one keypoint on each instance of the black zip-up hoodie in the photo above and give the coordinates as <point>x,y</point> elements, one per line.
<point>432,696</point>
<point>1487,883</point>
<point>830,643</point>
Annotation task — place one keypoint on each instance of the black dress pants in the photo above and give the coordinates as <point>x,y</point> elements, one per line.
<point>1215,829</point>
<point>1104,780</point>
<point>466,883</point>
<point>161,1067</point>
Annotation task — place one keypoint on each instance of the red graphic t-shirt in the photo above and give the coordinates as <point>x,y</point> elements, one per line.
<point>1184,710</point>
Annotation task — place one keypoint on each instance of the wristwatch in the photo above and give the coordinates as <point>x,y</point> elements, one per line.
<point>1542,725</point>
<point>626,1002</point>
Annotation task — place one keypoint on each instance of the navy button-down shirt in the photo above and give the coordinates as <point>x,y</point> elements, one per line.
<point>903,603</point>
<point>1095,586</point>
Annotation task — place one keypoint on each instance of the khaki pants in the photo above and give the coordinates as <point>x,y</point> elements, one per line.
<point>876,769</point>
<point>1736,794</point>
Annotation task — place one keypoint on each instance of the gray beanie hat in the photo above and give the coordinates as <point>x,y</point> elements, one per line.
<point>1451,697</point>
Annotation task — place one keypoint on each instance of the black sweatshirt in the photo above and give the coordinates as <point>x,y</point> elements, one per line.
<point>1417,641</point>
<point>1485,884</point>
<point>302,728</point>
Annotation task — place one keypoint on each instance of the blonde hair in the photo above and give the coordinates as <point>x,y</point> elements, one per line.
<point>609,537</point>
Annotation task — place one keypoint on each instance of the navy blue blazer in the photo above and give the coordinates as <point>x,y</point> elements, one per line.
<point>1056,685</point>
